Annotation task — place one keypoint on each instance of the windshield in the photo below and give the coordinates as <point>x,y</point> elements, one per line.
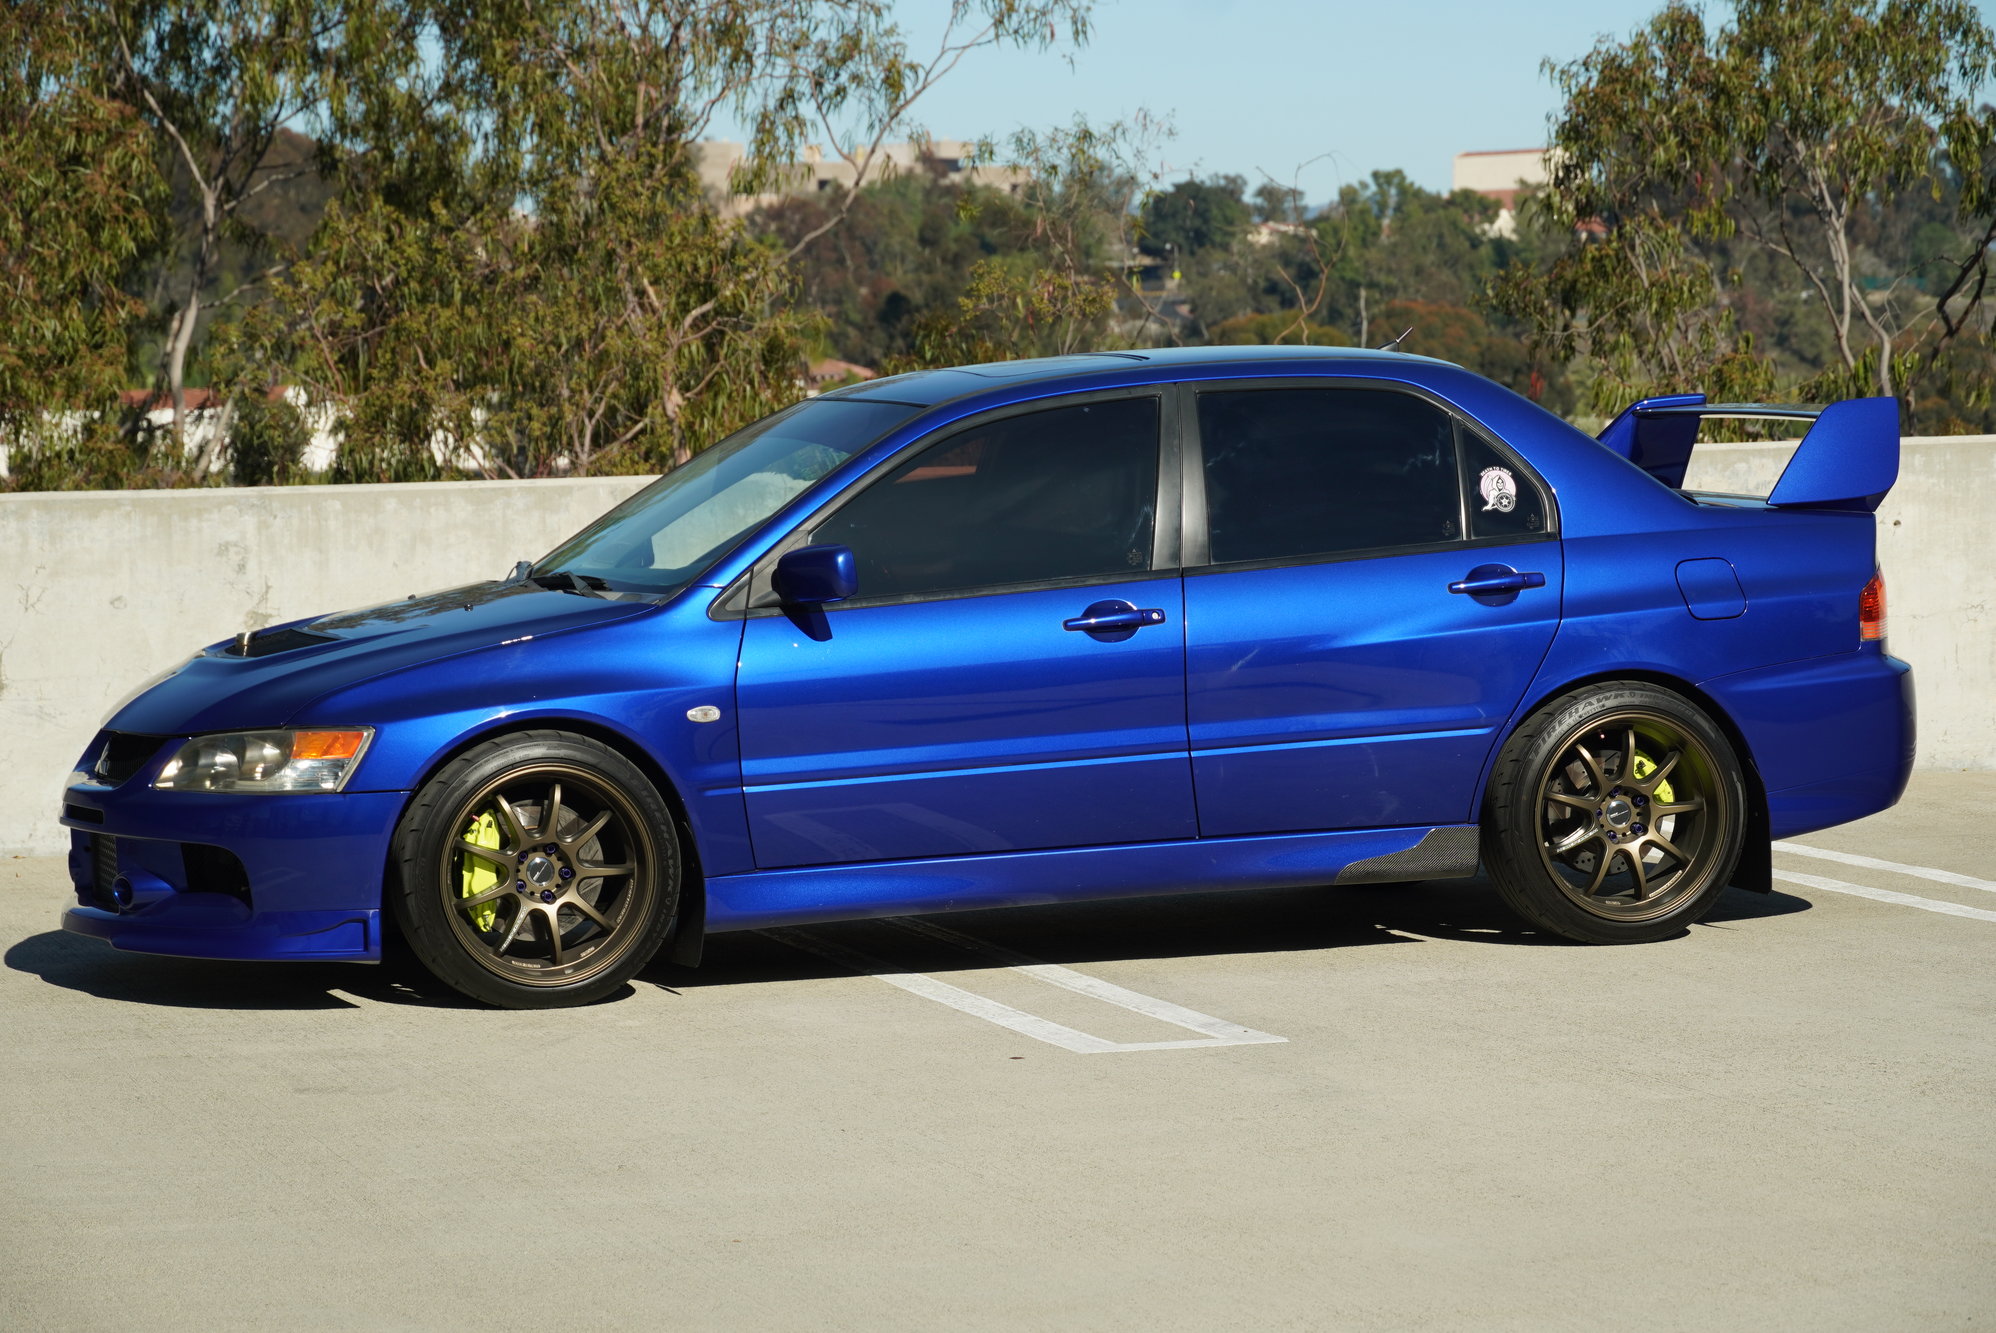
<point>668,534</point>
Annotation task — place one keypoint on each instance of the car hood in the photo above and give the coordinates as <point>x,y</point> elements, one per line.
<point>288,666</point>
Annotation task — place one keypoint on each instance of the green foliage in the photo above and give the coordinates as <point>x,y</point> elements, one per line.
<point>1194,215</point>
<point>1277,326</point>
<point>79,208</point>
<point>1795,130</point>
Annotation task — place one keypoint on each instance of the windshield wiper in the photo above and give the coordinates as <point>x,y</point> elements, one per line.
<point>563,580</point>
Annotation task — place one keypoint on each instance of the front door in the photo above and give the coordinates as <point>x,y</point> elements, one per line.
<point>1011,674</point>
<point>1334,679</point>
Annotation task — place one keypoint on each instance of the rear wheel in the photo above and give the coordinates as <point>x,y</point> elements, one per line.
<point>536,871</point>
<point>1615,815</point>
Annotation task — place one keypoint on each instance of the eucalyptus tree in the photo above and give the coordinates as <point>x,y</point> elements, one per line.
<point>80,205</point>
<point>523,273</point>
<point>1790,127</point>
<point>215,81</point>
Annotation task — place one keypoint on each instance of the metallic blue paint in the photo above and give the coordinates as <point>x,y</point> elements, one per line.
<point>972,724</point>
<point>1357,693</point>
<point>1848,460</point>
<point>922,755</point>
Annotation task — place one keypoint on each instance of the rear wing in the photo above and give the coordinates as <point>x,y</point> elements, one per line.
<point>1848,457</point>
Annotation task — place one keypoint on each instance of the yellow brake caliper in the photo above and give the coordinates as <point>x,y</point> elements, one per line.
<point>479,874</point>
<point>1642,767</point>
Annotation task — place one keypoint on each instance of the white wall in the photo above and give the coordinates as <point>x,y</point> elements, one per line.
<point>103,589</point>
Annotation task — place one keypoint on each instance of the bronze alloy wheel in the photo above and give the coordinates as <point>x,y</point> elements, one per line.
<point>1615,814</point>
<point>549,875</point>
<point>1631,814</point>
<point>536,869</point>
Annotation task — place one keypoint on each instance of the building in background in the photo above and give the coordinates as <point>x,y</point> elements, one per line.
<point>950,161</point>
<point>1502,174</point>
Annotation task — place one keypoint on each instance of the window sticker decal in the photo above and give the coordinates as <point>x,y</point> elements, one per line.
<point>1499,489</point>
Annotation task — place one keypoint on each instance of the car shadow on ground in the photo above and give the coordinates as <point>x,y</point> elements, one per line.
<point>78,963</point>
<point>1192,925</point>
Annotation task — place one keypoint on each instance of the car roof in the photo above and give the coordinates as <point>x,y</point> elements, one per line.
<point>926,388</point>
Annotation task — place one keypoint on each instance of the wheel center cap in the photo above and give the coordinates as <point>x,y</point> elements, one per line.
<point>540,870</point>
<point>1618,812</point>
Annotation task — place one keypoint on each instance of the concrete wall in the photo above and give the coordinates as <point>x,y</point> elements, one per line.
<point>103,589</point>
<point>100,590</point>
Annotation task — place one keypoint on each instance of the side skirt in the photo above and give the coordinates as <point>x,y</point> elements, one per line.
<point>803,895</point>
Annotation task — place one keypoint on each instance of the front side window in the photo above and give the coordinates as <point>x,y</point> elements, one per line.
<point>669,533</point>
<point>1293,473</point>
<point>1063,493</point>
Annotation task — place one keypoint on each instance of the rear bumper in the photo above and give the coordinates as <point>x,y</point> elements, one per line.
<point>309,884</point>
<point>1832,737</point>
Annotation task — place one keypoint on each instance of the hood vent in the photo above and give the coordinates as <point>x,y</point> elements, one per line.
<point>266,642</point>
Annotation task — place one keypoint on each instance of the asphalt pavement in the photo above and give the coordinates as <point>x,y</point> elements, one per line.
<point>1378,1107</point>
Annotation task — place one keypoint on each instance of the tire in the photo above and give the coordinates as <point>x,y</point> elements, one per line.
<point>1615,815</point>
<point>492,886</point>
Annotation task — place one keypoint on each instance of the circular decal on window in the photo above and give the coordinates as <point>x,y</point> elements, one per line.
<point>1500,490</point>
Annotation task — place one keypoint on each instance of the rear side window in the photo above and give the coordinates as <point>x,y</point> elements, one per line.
<point>1503,501</point>
<point>1069,492</point>
<point>1304,472</point>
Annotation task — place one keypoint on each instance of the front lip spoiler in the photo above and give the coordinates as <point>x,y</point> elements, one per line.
<point>185,926</point>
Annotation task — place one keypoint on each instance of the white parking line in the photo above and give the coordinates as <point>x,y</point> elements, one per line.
<point>1896,867</point>
<point>1885,895</point>
<point>1216,1031</point>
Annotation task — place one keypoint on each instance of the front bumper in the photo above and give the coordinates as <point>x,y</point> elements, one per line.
<point>300,874</point>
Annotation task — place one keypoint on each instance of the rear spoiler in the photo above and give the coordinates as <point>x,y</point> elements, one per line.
<point>1848,458</point>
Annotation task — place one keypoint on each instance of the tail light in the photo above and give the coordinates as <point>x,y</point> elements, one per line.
<point>1871,610</point>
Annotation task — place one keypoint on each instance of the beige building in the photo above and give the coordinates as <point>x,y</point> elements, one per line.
<point>951,161</point>
<point>1501,174</point>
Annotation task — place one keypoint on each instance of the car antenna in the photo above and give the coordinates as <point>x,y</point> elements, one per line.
<point>1394,346</point>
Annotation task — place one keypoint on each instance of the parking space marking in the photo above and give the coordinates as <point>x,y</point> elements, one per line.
<point>1214,1031</point>
<point>1885,895</point>
<point>1896,867</point>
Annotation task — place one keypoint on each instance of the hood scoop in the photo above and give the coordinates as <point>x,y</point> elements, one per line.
<point>262,643</point>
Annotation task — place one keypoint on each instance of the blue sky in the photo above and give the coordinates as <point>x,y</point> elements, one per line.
<point>1264,85</point>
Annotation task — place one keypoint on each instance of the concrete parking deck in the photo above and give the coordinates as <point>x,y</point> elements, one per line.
<point>1380,1107</point>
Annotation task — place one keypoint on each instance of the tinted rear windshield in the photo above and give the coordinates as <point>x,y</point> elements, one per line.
<point>670,533</point>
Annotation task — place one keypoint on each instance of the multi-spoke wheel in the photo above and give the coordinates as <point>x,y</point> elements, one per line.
<point>536,870</point>
<point>1615,815</point>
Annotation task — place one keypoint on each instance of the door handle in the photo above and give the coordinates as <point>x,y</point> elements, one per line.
<point>1112,617</point>
<point>1487,579</point>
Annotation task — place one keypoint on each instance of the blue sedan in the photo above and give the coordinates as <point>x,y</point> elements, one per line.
<point>1088,627</point>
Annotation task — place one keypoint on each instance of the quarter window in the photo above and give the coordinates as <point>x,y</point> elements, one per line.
<point>1069,492</point>
<point>1306,472</point>
<point>1503,502</point>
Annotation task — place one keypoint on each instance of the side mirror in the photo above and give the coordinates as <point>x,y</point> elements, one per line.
<point>811,575</point>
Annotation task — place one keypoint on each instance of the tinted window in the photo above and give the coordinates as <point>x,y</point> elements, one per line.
<point>1064,493</point>
<point>1503,501</point>
<point>1300,472</point>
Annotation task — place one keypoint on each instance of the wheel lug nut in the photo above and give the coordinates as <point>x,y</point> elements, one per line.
<point>1641,801</point>
<point>566,873</point>
<point>1639,830</point>
<point>550,849</point>
<point>520,884</point>
<point>523,858</point>
<point>547,895</point>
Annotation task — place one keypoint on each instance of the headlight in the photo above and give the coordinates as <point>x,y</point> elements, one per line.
<point>265,761</point>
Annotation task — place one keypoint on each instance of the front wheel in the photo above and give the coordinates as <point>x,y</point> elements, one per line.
<point>1615,815</point>
<point>535,871</point>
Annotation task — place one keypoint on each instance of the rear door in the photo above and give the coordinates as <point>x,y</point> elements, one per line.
<point>1334,678</point>
<point>965,701</point>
